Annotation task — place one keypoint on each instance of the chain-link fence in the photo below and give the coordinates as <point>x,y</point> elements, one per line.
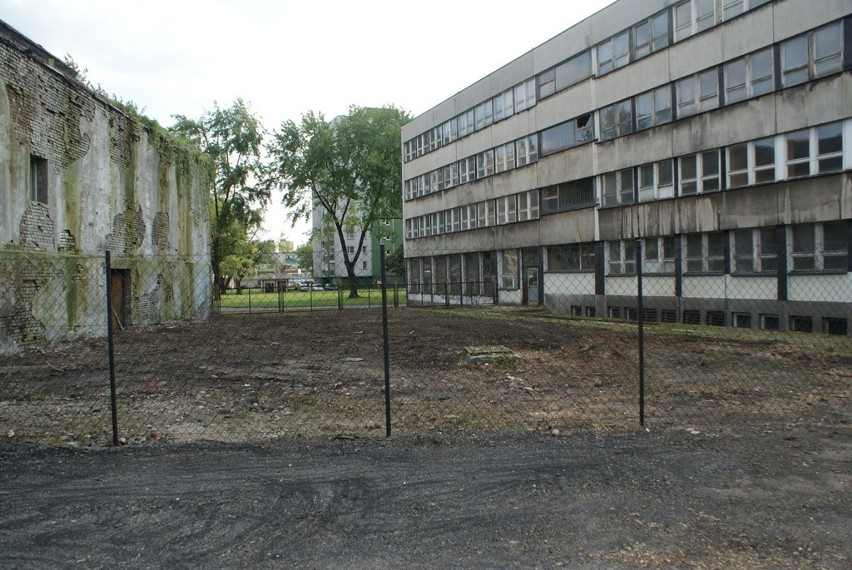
<point>522,348</point>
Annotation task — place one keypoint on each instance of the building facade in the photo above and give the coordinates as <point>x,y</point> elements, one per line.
<point>713,135</point>
<point>80,176</point>
<point>329,265</point>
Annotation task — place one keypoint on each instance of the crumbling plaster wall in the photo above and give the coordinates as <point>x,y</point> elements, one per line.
<point>111,185</point>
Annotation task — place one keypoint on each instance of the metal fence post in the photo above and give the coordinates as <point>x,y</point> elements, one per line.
<point>641,319</point>
<point>111,349</point>
<point>386,344</point>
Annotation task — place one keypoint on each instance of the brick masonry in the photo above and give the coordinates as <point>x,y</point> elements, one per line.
<point>105,182</point>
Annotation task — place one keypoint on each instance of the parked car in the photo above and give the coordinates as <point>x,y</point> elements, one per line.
<point>330,287</point>
<point>307,286</point>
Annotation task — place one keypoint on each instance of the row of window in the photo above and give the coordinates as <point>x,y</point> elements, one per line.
<point>811,151</point>
<point>500,211</point>
<point>764,321</point>
<point>806,152</point>
<point>645,37</point>
<point>811,247</point>
<point>508,156</point>
<point>804,57</point>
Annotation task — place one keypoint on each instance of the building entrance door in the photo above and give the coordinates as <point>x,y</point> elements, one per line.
<point>531,285</point>
<point>117,283</point>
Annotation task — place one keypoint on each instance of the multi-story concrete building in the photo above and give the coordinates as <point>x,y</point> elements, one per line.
<point>715,135</point>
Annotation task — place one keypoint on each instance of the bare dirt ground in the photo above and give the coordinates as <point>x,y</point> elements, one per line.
<point>260,378</point>
<point>259,442</point>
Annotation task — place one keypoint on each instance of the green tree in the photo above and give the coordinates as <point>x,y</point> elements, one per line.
<point>264,252</point>
<point>395,262</point>
<point>351,168</point>
<point>305,255</point>
<point>235,267</point>
<point>244,259</point>
<point>233,138</point>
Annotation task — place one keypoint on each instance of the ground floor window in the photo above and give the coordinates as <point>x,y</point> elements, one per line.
<point>801,324</point>
<point>571,257</point>
<point>741,320</point>
<point>622,257</point>
<point>835,326</point>
<point>770,322</point>
<point>820,247</point>
<point>509,269</point>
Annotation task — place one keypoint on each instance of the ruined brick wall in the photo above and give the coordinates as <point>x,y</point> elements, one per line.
<point>160,232</point>
<point>109,188</point>
<point>46,112</point>
<point>37,228</point>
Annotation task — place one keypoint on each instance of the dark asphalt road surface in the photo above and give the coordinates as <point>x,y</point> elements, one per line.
<point>680,499</point>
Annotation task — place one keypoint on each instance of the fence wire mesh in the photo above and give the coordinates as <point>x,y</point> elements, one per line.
<point>468,350</point>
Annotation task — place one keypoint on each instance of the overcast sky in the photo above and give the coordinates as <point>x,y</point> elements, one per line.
<point>288,57</point>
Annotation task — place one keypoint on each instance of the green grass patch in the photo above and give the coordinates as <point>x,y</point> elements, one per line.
<point>250,299</point>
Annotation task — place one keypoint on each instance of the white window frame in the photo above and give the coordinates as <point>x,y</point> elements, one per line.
<point>485,214</point>
<point>450,131</point>
<point>504,157</point>
<point>528,206</point>
<point>526,150</point>
<point>693,96</point>
<point>613,53</point>
<point>507,210</point>
<point>465,123</point>
<point>432,223</point>
<point>483,115</point>
<point>658,187</point>
<point>451,175</point>
<point>822,251</point>
<point>688,21</point>
<point>509,268</point>
<point>817,60</point>
<point>734,8</point>
<point>752,173</point>
<point>618,188</point>
<point>816,156</point>
<point>504,105</point>
<point>709,261</point>
<point>657,35</point>
<point>435,138</point>
<point>621,257</point>
<point>467,217</point>
<point>467,170</point>
<point>754,84</point>
<point>659,108</point>
<point>452,220</point>
<point>761,254</point>
<point>431,182</point>
<point>703,176</point>
<point>616,120</point>
<point>658,255</point>
<point>525,95</point>
<point>485,163</point>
